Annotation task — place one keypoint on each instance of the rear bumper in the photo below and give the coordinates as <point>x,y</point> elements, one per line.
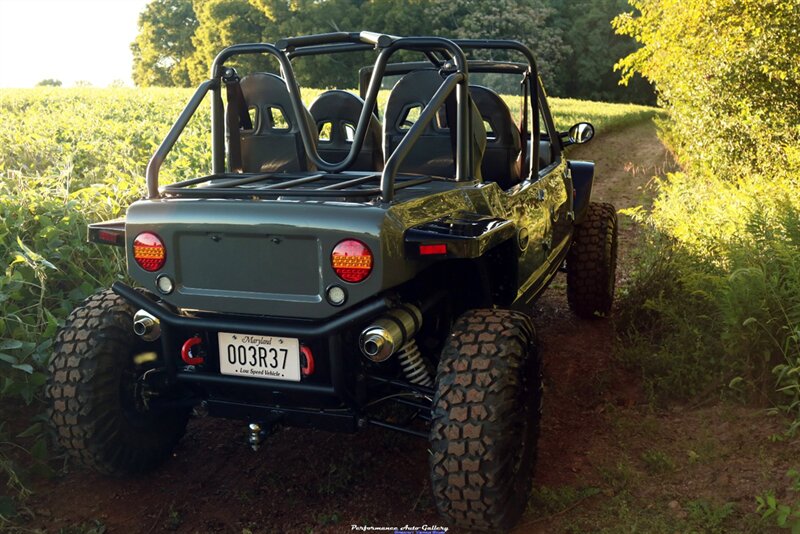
<point>329,386</point>
<point>256,325</point>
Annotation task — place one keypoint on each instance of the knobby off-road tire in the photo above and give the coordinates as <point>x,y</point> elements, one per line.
<point>592,262</point>
<point>486,420</point>
<point>94,402</point>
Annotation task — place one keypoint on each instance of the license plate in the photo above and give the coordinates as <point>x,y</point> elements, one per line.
<point>276,358</point>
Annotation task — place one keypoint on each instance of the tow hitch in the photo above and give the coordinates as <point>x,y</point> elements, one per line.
<point>256,435</point>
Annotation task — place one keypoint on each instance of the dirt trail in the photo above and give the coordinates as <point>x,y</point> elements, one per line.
<point>582,377</point>
<point>310,481</point>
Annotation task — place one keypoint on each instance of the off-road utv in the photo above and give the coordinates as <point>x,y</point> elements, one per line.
<point>342,262</point>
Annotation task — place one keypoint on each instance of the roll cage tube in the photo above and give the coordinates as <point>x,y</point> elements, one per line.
<point>529,70</point>
<point>534,92</point>
<point>154,165</point>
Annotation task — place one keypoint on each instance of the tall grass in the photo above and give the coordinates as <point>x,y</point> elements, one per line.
<point>715,300</point>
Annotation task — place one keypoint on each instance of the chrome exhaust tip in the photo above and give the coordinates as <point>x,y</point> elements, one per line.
<point>146,325</point>
<point>376,344</point>
<point>390,332</point>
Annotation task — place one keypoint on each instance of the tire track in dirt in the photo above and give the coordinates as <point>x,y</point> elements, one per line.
<point>312,481</point>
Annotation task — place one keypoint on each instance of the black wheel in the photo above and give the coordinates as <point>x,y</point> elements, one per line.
<point>486,420</point>
<point>95,398</point>
<point>592,262</point>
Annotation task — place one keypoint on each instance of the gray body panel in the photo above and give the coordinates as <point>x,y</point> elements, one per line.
<point>272,257</point>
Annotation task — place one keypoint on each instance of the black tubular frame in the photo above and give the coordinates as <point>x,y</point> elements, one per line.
<point>287,49</point>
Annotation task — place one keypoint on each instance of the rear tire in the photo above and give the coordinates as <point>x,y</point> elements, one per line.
<point>95,402</point>
<point>592,262</point>
<point>486,420</point>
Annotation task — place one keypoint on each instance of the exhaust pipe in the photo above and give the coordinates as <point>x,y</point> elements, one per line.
<point>146,325</point>
<point>390,332</point>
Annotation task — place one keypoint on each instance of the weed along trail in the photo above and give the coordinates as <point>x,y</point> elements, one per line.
<point>606,459</point>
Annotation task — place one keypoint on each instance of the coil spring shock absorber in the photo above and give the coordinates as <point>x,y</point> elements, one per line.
<point>413,366</point>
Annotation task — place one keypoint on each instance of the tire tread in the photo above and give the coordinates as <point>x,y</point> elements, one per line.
<point>592,262</point>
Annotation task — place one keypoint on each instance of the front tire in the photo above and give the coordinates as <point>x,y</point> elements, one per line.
<point>592,262</point>
<point>486,420</point>
<point>95,399</point>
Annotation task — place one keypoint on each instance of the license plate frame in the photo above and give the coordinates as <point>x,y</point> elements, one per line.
<point>264,357</point>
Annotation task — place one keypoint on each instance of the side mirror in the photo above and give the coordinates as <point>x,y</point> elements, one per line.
<point>580,133</point>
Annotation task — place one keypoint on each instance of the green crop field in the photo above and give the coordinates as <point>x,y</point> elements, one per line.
<point>73,156</point>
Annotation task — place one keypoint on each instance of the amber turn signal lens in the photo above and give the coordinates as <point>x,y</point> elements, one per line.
<point>149,251</point>
<point>351,260</point>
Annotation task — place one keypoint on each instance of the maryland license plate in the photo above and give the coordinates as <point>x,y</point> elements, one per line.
<point>255,356</point>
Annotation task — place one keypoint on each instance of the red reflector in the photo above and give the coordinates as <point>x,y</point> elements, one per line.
<point>351,260</point>
<point>149,251</point>
<point>108,237</point>
<point>431,250</point>
<point>307,361</point>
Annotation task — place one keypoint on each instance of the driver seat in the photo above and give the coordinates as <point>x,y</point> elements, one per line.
<point>503,140</point>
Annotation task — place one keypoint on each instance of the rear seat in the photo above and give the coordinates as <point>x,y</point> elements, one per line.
<point>274,144</point>
<point>337,112</point>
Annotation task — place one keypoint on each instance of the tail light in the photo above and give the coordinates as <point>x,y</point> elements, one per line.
<point>351,260</point>
<point>149,251</point>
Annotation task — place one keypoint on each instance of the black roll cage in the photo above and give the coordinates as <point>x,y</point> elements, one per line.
<point>452,61</point>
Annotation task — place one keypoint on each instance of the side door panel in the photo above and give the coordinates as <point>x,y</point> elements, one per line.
<point>560,180</point>
<point>541,207</point>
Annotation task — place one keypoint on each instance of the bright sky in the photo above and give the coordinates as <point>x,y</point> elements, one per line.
<point>68,40</point>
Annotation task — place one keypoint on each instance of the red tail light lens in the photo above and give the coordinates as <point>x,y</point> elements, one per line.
<point>149,251</point>
<point>351,260</point>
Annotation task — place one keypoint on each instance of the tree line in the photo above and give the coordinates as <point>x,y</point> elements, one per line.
<point>574,43</point>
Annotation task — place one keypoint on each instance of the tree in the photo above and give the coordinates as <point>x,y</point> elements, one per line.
<point>301,17</point>
<point>399,17</point>
<point>49,82</point>
<point>164,43</point>
<point>588,69</point>
<point>222,23</point>
<point>728,73</point>
<point>527,21</point>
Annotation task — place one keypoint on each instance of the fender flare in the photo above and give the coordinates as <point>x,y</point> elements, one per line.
<point>582,180</point>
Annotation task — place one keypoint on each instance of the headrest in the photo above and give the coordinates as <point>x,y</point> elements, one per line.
<point>414,90</point>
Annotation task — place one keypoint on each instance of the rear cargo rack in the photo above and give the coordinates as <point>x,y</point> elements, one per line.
<point>297,184</point>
